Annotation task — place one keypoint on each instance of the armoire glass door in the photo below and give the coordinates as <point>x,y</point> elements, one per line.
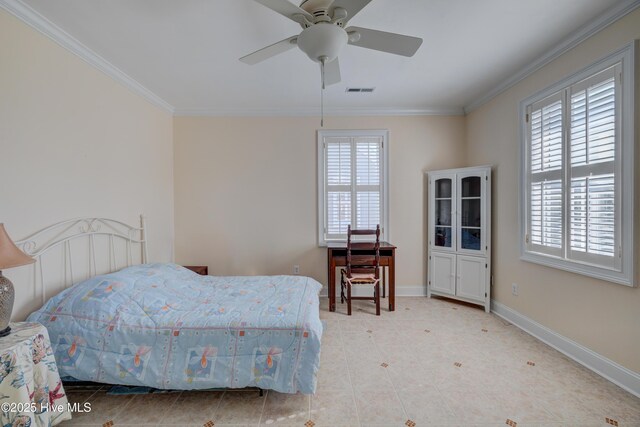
<point>471,213</point>
<point>443,188</point>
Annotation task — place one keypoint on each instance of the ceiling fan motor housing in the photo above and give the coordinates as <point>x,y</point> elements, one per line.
<point>323,41</point>
<point>316,7</point>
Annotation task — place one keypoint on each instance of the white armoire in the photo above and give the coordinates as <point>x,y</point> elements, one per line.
<point>459,251</point>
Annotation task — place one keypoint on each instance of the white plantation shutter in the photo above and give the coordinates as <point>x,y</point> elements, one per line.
<point>352,174</point>
<point>546,136</point>
<point>545,216</point>
<point>593,121</point>
<point>592,169</point>
<point>593,215</point>
<point>368,187</point>
<point>338,187</point>
<point>573,173</point>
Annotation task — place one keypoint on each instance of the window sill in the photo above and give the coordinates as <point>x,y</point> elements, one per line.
<point>602,273</point>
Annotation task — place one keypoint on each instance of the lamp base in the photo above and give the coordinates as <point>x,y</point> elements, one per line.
<point>6,304</point>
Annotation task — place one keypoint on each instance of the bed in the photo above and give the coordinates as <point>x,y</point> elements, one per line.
<point>164,326</point>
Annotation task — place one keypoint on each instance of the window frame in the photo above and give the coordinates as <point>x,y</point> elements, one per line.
<point>623,270</point>
<point>322,196</point>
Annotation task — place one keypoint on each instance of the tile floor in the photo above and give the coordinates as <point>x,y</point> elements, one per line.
<point>430,363</point>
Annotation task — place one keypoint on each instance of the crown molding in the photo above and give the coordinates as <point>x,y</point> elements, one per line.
<point>315,112</point>
<point>35,20</point>
<point>31,17</point>
<point>595,26</point>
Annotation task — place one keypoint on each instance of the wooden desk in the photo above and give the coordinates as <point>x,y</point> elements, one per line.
<point>202,270</point>
<point>337,257</point>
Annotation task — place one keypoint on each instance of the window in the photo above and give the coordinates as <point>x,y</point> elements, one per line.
<point>577,172</point>
<point>352,182</point>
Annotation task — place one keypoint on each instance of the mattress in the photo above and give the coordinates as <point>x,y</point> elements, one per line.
<point>163,326</point>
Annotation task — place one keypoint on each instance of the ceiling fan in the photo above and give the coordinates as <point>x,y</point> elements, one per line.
<point>324,34</point>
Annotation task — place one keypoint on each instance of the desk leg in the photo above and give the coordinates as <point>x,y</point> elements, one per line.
<point>332,283</point>
<point>392,282</point>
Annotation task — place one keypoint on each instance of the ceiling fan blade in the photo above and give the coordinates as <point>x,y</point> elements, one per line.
<point>383,41</point>
<point>285,8</point>
<point>269,51</point>
<point>332,72</point>
<point>351,6</point>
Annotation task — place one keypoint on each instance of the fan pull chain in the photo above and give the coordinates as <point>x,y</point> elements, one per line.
<point>321,108</point>
<point>322,94</point>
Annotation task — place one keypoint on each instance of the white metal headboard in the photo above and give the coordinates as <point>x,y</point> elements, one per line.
<point>61,236</point>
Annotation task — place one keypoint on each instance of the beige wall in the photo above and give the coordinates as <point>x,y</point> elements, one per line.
<point>599,315</point>
<point>246,191</point>
<point>74,143</point>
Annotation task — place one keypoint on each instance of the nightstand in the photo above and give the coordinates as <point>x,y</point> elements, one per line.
<point>31,392</point>
<point>203,270</point>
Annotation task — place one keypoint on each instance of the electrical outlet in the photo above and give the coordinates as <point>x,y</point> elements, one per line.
<point>296,269</point>
<point>514,289</point>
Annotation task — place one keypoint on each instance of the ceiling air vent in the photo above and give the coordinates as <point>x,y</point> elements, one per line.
<point>360,89</point>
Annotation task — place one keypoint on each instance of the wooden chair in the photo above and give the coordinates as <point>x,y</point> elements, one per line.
<point>361,269</point>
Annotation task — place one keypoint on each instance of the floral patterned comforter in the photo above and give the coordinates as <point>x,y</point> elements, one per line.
<point>163,326</point>
<point>31,393</point>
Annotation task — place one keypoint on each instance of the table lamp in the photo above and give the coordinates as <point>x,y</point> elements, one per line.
<point>10,256</point>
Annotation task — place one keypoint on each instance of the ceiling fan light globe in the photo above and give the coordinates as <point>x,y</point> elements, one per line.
<point>322,42</point>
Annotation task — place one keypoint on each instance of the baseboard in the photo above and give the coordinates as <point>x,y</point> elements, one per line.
<point>404,291</point>
<point>617,374</point>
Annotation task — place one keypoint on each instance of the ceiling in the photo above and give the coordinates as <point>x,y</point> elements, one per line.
<point>186,52</point>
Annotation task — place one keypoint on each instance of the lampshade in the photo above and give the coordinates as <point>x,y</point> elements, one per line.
<point>10,255</point>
